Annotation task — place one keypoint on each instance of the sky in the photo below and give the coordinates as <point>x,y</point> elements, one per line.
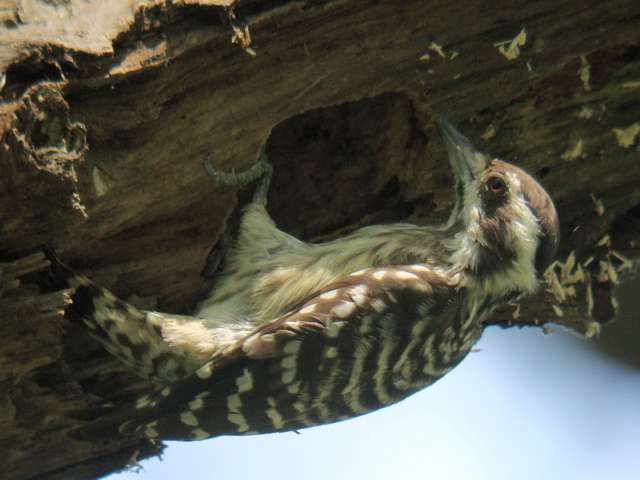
<point>527,406</point>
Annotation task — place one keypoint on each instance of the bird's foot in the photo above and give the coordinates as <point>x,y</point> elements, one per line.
<point>260,171</point>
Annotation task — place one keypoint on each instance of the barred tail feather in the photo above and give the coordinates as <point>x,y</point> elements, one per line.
<point>134,336</point>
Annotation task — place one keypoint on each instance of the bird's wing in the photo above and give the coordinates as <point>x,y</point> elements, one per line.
<point>362,343</point>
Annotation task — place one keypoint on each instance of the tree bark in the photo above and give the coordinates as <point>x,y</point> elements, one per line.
<point>108,109</point>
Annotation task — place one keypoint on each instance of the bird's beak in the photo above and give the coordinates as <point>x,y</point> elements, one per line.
<point>467,162</point>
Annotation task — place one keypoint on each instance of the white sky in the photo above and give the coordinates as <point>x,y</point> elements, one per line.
<point>528,406</point>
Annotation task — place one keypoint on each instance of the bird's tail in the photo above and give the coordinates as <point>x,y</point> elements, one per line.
<point>85,292</point>
<point>106,425</point>
<point>132,335</point>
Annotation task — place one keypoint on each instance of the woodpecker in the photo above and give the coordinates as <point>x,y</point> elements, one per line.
<point>297,334</point>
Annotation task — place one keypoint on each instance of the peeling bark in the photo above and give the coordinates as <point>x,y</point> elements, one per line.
<point>108,109</point>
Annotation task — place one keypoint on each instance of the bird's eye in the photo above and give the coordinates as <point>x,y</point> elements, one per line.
<point>496,186</point>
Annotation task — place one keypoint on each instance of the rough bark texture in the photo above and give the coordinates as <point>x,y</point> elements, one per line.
<point>108,109</point>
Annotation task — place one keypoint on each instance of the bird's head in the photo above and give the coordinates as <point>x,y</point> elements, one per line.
<point>506,226</point>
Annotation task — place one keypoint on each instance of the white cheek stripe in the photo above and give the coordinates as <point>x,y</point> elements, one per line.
<point>525,229</point>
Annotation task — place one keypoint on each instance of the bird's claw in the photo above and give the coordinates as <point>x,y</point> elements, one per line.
<point>259,171</point>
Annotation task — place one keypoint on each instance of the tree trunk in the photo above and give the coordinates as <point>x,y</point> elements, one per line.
<point>108,109</point>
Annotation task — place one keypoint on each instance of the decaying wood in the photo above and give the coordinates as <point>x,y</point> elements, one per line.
<point>108,109</point>
<point>41,383</point>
